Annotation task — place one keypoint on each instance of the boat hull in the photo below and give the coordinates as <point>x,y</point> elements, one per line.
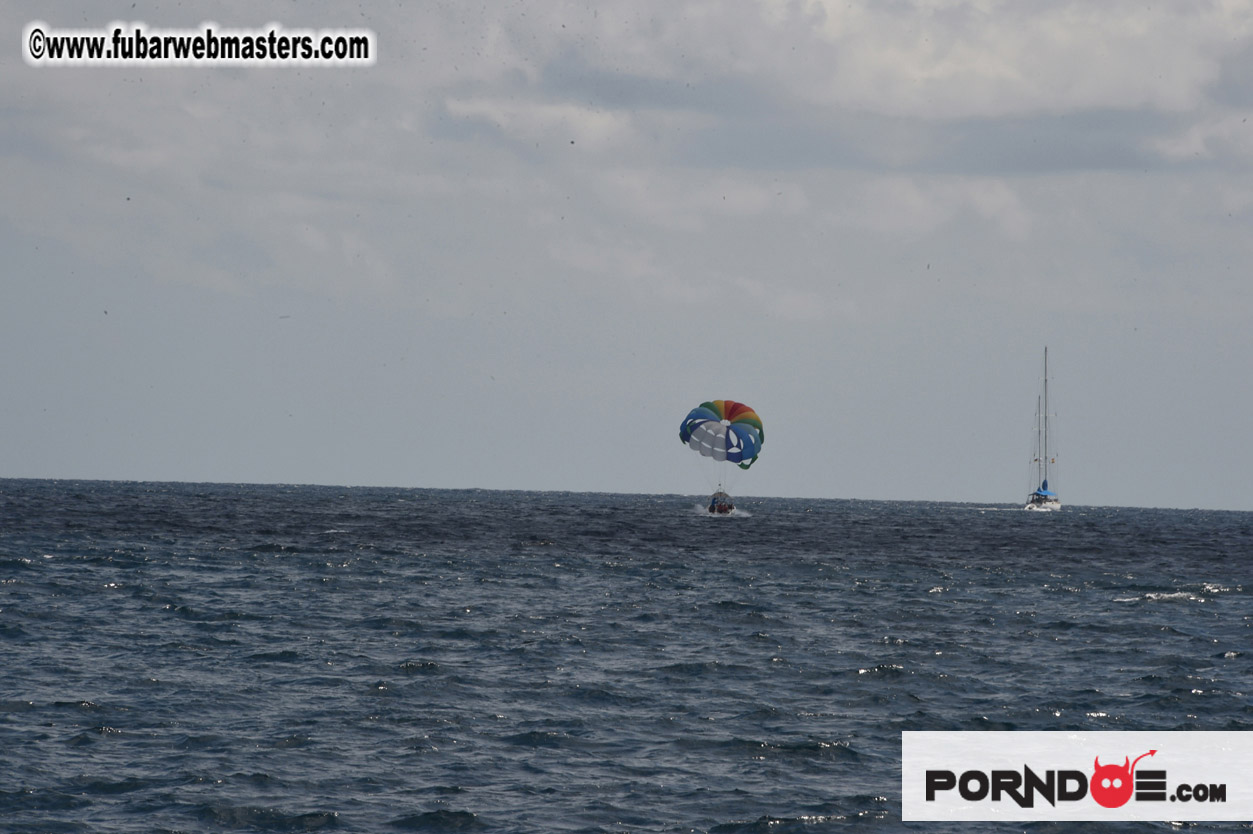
<point>1047,506</point>
<point>720,503</point>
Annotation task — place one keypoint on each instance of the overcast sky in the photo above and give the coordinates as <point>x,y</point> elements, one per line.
<point>520,247</point>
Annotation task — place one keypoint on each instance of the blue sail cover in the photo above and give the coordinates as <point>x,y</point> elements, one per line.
<point>1044,490</point>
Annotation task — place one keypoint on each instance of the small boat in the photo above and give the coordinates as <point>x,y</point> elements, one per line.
<point>1043,499</point>
<point>720,503</point>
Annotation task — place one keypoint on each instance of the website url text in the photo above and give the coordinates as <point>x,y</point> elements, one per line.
<point>132,44</point>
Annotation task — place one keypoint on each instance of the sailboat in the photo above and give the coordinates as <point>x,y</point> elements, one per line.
<point>1043,499</point>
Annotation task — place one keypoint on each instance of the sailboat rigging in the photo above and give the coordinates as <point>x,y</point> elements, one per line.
<point>1043,498</point>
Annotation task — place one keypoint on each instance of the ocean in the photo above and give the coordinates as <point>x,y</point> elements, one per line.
<point>192,657</point>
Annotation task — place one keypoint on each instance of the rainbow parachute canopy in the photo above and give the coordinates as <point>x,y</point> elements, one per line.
<point>724,430</point>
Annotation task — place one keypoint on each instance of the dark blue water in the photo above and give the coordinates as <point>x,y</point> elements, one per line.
<point>268,658</point>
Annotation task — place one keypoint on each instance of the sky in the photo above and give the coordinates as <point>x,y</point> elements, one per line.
<point>520,247</point>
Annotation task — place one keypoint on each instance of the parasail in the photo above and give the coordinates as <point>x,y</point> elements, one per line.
<point>724,430</point>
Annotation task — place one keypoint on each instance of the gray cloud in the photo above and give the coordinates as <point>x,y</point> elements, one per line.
<point>515,251</point>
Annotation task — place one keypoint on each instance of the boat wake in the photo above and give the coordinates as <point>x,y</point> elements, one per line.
<point>703,510</point>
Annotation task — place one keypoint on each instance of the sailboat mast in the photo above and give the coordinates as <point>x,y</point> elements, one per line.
<point>1039,443</point>
<point>1046,413</point>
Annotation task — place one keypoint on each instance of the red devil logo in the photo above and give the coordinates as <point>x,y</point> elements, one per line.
<point>1111,785</point>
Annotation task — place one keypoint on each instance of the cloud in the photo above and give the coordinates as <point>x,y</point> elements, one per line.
<point>551,201</point>
<point>555,125</point>
<point>984,87</point>
<point>685,201</point>
<point>929,59</point>
<point>1229,136</point>
<point>899,206</point>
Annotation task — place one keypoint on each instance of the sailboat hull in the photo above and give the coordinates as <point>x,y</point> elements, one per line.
<point>1046,506</point>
